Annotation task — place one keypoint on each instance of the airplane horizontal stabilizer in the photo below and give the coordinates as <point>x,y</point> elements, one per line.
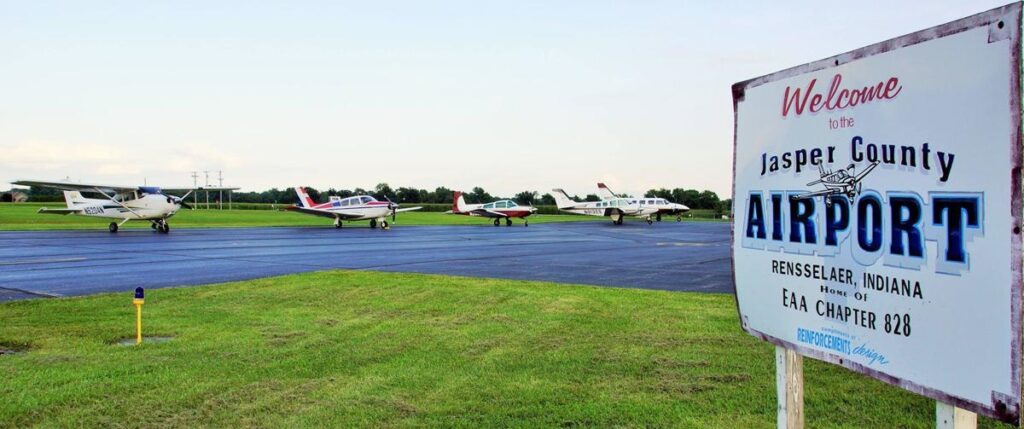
<point>59,211</point>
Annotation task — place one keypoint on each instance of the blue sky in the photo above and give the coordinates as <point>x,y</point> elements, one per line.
<point>509,96</point>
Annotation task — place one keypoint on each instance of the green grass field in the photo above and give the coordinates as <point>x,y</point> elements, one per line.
<point>23,216</point>
<point>344,349</point>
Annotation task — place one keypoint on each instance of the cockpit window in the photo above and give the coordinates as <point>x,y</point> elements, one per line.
<point>512,204</point>
<point>365,199</point>
<point>127,196</point>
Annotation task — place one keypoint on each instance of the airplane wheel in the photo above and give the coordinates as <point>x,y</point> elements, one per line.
<point>526,222</point>
<point>384,225</point>
<point>679,218</point>
<point>373,223</point>
<point>649,221</point>
<point>337,225</point>
<point>152,225</point>
<point>112,227</point>
<point>497,222</point>
<point>659,217</point>
<point>165,228</point>
<point>508,221</point>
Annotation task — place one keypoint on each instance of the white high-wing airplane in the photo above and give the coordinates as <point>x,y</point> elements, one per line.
<point>665,207</point>
<point>360,207</point>
<point>124,203</point>
<point>615,208</point>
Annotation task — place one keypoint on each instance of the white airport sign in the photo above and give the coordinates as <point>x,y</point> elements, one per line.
<point>877,211</point>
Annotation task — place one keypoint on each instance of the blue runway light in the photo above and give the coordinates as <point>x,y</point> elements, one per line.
<point>140,293</point>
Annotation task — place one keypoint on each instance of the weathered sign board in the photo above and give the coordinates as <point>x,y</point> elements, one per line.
<point>877,200</point>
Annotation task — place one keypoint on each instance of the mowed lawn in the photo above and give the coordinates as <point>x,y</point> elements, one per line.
<point>23,216</point>
<point>365,349</point>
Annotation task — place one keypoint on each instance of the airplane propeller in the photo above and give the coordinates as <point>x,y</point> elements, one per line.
<point>393,207</point>
<point>179,201</point>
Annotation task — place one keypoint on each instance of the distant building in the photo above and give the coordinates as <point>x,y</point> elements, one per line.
<point>13,197</point>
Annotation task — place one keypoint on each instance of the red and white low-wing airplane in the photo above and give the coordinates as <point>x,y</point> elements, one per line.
<point>360,207</point>
<point>498,210</point>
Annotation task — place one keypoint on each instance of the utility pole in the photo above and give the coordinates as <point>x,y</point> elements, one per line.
<point>195,184</point>
<point>220,192</point>
<point>207,185</point>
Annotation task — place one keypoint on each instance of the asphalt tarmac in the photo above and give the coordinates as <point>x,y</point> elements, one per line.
<point>686,256</point>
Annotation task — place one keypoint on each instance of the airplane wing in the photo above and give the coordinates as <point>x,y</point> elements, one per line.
<point>59,211</point>
<point>69,186</point>
<point>487,213</point>
<point>865,172</point>
<point>322,213</point>
<point>195,188</point>
<point>408,209</point>
<point>816,193</point>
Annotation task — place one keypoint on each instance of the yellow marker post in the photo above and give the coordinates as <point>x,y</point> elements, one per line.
<point>138,301</point>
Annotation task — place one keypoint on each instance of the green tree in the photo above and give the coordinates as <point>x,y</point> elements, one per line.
<point>480,195</point>
<point>383,191</point>
<point>709,200</point>
<point>408,195</point>
<point>526,197</point>
<point>441,195</point>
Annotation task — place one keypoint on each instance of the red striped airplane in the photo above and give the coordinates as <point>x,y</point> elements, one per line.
<point>360,207</point>
<point>502,209</point>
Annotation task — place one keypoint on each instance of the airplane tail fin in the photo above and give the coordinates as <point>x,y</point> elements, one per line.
<point>604,192</point>
<point>72,197</point>
<point>562,199</point>
<point>458,202</point>
<point>304,199</point>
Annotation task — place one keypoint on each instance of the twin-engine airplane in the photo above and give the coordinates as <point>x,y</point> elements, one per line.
<point>839,182</point>
<point>664,207</point>
<point>615,208</point>
<point>125,203</point>
<point>498,210</point>
<point>360,207</point>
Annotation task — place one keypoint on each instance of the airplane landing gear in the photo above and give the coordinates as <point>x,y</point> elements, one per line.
<point>161,225</point>
<point>526,222</point>
<point>113,227</point>
<point>497,222</point>
<point>337,223</point>
<point>617,219</point>
<point>658,218</point>
<point>679,218</point>
<point>373,223</point>
<point>508,221</point>
<point>384,225</point>
<point>649,221</point>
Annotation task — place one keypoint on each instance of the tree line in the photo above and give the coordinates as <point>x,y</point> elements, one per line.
<point>441,195</point>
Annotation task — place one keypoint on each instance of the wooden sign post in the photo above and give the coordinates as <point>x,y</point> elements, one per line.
<point>789,386</point>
